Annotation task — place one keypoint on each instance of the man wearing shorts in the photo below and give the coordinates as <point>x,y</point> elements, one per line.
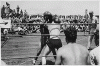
<point>73,53</point>
<point>92,27</point>
<point>86,16</point>
<point>44,38</point>
<point>54,41</point>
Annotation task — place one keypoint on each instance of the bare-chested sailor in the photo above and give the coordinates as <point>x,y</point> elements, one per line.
<point>72,53</point>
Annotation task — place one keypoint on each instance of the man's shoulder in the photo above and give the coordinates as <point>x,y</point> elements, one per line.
<point>64,47</point>
<point>78,46</point>
<point>72,45</point>
<point>81,46</point>
<point>95,50</point>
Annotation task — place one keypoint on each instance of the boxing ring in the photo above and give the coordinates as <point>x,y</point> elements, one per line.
<point>39,38</point>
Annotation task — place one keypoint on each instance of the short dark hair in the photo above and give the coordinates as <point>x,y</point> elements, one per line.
<point>56,19</point>
<point>47,17</point>
<point>91,12</point>
<point>70,34</point>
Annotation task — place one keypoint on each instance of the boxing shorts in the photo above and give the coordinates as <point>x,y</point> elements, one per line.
<point>54,43</point>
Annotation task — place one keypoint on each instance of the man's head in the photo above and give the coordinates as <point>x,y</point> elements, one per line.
<point>91,14</point>
<point>3,5</point>
<point>56,19</point>
<point>86,11</point>
<point>47,17</point>
<point>71,34</point>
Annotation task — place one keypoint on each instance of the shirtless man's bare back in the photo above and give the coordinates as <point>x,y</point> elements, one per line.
<point>73,53</point>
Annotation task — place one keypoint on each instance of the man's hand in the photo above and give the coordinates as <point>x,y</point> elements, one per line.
<point>58,59</point>
<point>6,23</point>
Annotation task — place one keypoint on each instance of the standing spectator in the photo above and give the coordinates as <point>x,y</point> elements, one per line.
<point>86,16</point>
<point>92,27</point>
<point>7,10</point>
<point>3,15</point>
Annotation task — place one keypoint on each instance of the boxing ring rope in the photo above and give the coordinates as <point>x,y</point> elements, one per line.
<point>50,24</point>
<point>45,35</point>
<point>4,43</point>
<point>4,23</point>
<point>37,56</point>
<point>30,57</point>
<point>56,23</point>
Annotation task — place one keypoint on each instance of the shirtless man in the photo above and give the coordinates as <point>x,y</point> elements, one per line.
<point>54,41</point>
<point>92,27</point>
<point>73,53</point>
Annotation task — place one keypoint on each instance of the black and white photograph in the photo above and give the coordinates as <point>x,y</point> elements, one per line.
<point>58,32</point>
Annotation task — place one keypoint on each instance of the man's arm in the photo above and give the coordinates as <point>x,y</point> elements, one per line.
<point>93,60</point>
<point>58,59</point>
<point>88,59</point>
<point>97,25</point>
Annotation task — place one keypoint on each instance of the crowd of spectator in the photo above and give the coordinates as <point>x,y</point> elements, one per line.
<point>18,16</point>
